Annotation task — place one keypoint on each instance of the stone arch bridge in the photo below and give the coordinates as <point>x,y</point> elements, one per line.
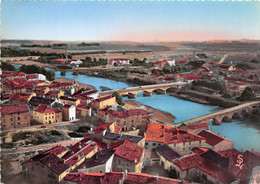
<point>226,114</point>
<point>147,90</point>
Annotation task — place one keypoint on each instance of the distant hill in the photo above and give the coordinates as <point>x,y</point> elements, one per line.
<point>233,41</point>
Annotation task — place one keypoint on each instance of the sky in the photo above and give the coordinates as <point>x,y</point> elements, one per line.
<point>141,21</point>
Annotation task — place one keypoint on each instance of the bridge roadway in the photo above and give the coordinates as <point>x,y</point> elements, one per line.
<point>223,113</point>
<point>147,88</point>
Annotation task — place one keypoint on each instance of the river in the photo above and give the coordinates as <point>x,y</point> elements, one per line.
<point>245,133</point>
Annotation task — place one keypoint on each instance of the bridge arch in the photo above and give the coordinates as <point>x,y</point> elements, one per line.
<point>159,91</point>
<point>168,90</point>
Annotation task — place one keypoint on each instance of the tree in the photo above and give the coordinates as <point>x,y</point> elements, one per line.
<point>30,69</point>
<point>115,64</point>
<point>119,98</point>
<point>7,67</point>
<point>247,94</point>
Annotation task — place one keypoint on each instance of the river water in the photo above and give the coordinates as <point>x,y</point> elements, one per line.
<point>245,133</point>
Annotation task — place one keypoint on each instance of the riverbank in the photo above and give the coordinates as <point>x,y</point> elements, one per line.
<point>189,98</point>
<point>71,81</point>
<point>32,63</point>
<point>158,115</point>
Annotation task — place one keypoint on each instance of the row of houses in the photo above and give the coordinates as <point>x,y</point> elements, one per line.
<point>107,149</point>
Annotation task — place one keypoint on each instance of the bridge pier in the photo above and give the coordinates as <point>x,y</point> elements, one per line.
<point>131,95</point>
<point>147,93</point>
<point>63,72</point>
<point>160,91</point>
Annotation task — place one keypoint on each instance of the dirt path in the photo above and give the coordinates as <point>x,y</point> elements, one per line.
<point>32,63</point>
<point>39,147</point>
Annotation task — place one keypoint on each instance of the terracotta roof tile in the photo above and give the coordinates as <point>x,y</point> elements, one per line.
<point>212,138</point>
<point>10,109</point>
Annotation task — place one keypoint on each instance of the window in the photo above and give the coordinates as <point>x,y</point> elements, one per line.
<point>46,118</point>
<point>100,171</point>
<point>146,143</point>
<point>189,143</point>
<point>154,144</point>
<point>174,145</point>
<point>42,166</point>
<point>18,118</point>
<point>183,148</point>
<point>184,144</point>
<point>32,168</point>
<point>18,113</point>
<point>11,119</point>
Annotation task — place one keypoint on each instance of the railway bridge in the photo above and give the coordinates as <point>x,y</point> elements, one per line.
<point>147,90</point>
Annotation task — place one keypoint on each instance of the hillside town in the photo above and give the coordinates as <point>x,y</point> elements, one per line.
<point>112,142</point>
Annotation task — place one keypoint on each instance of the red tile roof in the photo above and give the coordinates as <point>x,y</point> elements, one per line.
<point>216,172</point>
<point>198,126</point>
<point>103,99</point>
<point>102,127</point>
<point>188,162</point>
<point>31,76</point>
<point>127,150</point>
<point>240,71</point>
<point>45,110</point>
<point>127,113</point>
<point>52,92</point>
<point>81,106</point>
<point>169,135</point>
<point>224,67</point>
<point>114,177</point>
<point>20,96</point>
<point>211,63</point>
<point>162,61</point>
<point>167,152</point>
<point>19,74</point>
<point>50,159</point>
<point>199,150</point>
<point>10,109</point>
<point>191,76</point>
<point>212,138</point>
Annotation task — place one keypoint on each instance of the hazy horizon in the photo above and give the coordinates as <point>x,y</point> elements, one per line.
<point>128,21</point>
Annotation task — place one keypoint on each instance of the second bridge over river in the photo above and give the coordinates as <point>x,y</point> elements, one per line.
<point>226,114</point>
<point>147,90</point>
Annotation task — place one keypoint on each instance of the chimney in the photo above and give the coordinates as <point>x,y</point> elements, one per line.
<point>156,177</point>
<point>135,161</point>
<point>80,145</point>
<point>78,157</point>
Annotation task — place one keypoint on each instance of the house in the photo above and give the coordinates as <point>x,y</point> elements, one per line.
<point>119,177</point>
<point>110,138</point>
<point>69,101</point>
<point>54,94</point>
<point>17,85</point>
<point>31,77</point>
<point>21,98</point>
<point>126,119</point>
<point>83,110</point>
<point>15,116</point>
<point>150,158</point>
<point>86,97</point>
<point>185,166</point>
<point>163,63</point>
<point>120,61</point>
<point>36,101</point>
<point>46,167</point>
<point>103,102</point>
<point>216,142</point>
<point>41,90</point>
<point>167,156</point>
<point>179,140</point>
<point>225,68</point>
<point>188,77</point>
<point>46,115</point>
<point>196,128</point>
<point>69,112</point>
<point>100,162</point>
<point>101,130</point>
<point>128,157</point>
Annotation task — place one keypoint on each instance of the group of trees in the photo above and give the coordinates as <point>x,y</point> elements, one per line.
<point>119,98</point>
<point>247,95</point>
<point>36,45</point>
<point>31,69</point>
<point>7,66</point>
<point>183,68</point>
<point>243,66</point>
<point>212,84</point>
<point>89,62</point>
